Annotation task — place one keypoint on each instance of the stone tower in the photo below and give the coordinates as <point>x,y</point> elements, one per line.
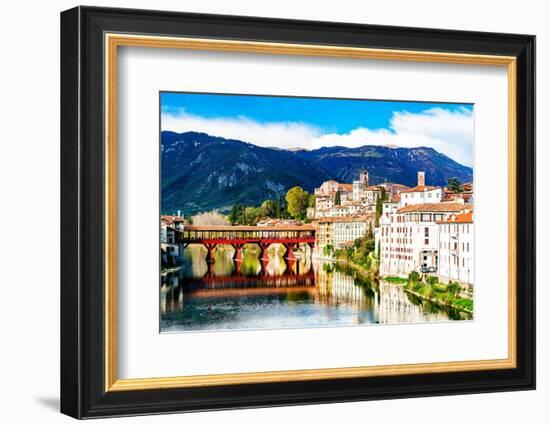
<point>364,178</point>
<point>421,178</point>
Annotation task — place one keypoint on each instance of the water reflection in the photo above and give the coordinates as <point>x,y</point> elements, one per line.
<point>280,294</point>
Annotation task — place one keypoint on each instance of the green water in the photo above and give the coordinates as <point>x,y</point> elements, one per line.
<point>279,294</point>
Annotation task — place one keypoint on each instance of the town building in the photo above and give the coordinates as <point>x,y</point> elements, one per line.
<point>348,229</point>
<point>371,195</point>
<point>170,225</point>
<point>323,235</point>
<point>391,204</point>
<point>408,239</point>
<point>333,199</point>
<point>456,248</point>
<point>421,193</point>
<point>174,221</point>
<point>393,188</point>
<point>359,186</point>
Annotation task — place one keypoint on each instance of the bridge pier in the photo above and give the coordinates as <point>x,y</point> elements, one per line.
<point>238,254</point>
<point>291,264</point>
<point>289,254</point>
<point>210,252</point>
<point>238,266</point>
<point>264,256</point>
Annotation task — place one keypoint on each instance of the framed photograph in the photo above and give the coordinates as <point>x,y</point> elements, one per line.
<point>261,212</point>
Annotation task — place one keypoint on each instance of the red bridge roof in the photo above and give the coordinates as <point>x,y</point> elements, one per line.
<point>249,228</point>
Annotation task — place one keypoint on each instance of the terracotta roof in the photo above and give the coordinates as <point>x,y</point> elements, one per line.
<point>367,217</point>
<point>450,196</point>
<point>399,186</point>
<point>373,187</point>
<point>346,187</point>
<point>420,188</point>
<point>171,218</point>
<point>436,207</point>
<point>467,217</point>
<point>394,199</point>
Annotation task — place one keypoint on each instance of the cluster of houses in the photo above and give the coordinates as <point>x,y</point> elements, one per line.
<point>170,252</point>
<point>424,228</point>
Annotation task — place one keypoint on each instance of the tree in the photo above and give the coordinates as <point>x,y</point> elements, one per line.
<point>454,185</point>
<point>237,214</point>
<point>328,249</point>
<point>251,216</point>
<point>370,232</point>
<point>311,201</point>
<point>281,207</point>
<point>270,208</point>
<point>337,198</point>
<point>297,200</point>
<point>379,208</point>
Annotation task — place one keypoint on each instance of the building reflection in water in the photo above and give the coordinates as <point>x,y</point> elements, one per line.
<point>279,294</point>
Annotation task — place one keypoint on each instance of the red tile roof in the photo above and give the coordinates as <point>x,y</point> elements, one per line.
<point>451,196</point>
<point>467,217</point>
<point>367,217</point>
<point>435,207</point>
<point>171,219</point>
<point>420,188</point>
<point>394,199</point>
<point>345,187</point>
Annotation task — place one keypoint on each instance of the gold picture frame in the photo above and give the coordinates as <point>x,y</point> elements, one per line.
<point>114,41</point>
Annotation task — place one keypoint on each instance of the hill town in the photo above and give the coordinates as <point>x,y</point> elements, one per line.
<point>421,235</point>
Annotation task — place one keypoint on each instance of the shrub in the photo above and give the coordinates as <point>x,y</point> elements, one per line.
<point>438,287</point>
<point>454,288</point>
<point>425,290</point>
<point>432,280</point>
<point>395,279</point>
<point>414,276</point>
<point>464,303</point>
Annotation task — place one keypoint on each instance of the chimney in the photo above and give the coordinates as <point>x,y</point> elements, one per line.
<point>421,178</point>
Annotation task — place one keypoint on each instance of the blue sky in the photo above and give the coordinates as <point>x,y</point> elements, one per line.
<point>290,122</point>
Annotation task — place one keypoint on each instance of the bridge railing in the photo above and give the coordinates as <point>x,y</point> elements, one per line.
<point>246,234</point>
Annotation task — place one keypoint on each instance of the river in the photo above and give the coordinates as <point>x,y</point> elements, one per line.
<point>305,293</point>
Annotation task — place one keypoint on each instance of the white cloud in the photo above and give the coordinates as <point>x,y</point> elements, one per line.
<point>449,132</point>
<point>273,134</point>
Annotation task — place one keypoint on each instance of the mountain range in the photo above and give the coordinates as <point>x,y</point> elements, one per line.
<point>200,172</point>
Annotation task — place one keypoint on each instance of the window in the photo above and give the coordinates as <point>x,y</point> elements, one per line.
<point>426,241</point>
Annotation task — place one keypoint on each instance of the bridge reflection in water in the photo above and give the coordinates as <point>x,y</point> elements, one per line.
<point>253,294</point>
